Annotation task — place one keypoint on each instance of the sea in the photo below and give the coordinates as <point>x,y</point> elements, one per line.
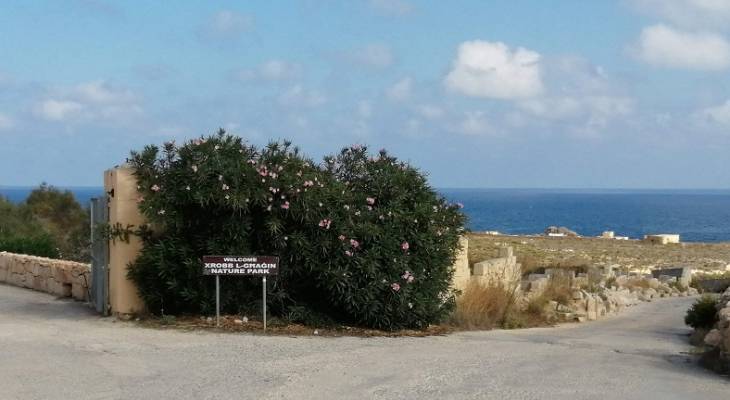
<point>697,215</point>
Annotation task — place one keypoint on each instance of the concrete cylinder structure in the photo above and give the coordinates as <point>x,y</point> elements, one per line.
<point>121,188</point>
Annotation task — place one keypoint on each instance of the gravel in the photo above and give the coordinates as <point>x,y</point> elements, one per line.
<point>57,349</point>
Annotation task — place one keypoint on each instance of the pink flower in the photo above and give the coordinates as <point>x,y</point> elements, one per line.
<point>348,253</point>
<point>395,286</point>
<point>262,171</point>
<point>308,183</point>
<point>410,279</point>
<point>285,205</point>
<point>408,276</point>
<point>405,246</point>
<point>342,237</point>
<point>195,168</point>
<point>225,187</point>
<point>325,223</point>
<point>155,188</point>
<point>354,243</point>
<point>370,200</point>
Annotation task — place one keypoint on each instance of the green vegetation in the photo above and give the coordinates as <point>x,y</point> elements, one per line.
<point>50,223</point>
<point>703,313</point>
<point>362,239</point>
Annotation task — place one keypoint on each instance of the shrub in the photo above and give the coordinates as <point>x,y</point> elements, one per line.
<point>50,223</point>
<point>703,313</point>
<point>40,244</point>
<point>361,239</point>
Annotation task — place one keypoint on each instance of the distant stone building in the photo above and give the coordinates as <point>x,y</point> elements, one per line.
<point>664,238</point>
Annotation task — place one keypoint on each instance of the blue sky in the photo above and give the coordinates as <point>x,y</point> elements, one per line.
<point>562,94</point>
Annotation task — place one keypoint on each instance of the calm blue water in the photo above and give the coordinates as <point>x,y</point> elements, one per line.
<point>17,194</point>
<point>699,216</point>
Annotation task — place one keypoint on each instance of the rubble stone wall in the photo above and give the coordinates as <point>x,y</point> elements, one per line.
<point>719,337</point>
<point>59,277</point>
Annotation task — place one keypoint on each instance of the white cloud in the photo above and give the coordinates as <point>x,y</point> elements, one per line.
<point>493,70</point>
<point>58,110</point>
<point>373,55</point>
<point>663,46</point>
<point>401,90</point>
<point>392,7</point>
<point>227,25</point>
<point>272,70</point>
<point>298,96</point>
<point>88,101</point>
<point>588,114</point>
<point>475,123</point>
<point>6,122</point>
<point>693,14</point>
<point>715,115</point>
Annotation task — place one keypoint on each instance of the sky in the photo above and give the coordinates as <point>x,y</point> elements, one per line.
<point>497,94</point>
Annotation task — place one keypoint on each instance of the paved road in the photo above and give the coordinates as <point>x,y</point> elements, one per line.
<point>55,349</point>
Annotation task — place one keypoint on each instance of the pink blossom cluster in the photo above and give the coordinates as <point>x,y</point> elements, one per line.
<point>408,276</point>
<point>155,188</point>
<point>325,223</point>
<point>405,246</point>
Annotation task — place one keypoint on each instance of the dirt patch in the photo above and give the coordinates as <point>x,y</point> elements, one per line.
<point>234,324</point>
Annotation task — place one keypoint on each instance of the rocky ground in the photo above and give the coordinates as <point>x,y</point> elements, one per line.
<point>539,251</point>
<point>57,349</point>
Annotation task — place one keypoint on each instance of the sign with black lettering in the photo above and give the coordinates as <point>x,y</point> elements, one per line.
<point>240,265</point>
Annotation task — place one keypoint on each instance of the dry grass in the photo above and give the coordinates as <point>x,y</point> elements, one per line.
<point>637,284</point>
<point>559,289</point>
<point>536,252</point>
<point>483,306</point>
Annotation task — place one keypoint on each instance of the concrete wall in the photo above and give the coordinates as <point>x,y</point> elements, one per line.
<point>58,277</point>
<point>121,186</point>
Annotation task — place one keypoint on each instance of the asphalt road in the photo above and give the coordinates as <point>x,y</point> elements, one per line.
<point>56,349</point>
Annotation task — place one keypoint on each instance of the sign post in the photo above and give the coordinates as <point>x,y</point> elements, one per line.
<point>217,300</point>
<point>243,266</point>
<point>264,285</point>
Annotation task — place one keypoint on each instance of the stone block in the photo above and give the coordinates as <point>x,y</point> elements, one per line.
<point>78,292</point>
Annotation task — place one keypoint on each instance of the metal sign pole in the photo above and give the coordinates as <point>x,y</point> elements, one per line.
<point>264,280</point>
<point>217,300</point>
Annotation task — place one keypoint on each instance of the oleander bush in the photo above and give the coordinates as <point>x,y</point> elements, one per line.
<point>361,239</point>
